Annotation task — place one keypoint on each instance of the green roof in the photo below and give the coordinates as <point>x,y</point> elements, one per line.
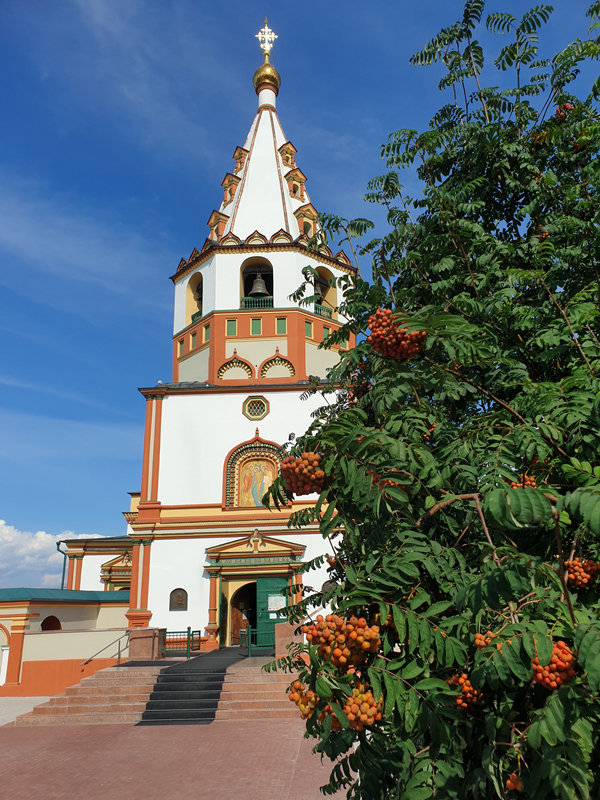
<point>63,596</point>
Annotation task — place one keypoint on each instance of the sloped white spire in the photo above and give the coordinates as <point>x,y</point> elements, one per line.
<point>265,200</point>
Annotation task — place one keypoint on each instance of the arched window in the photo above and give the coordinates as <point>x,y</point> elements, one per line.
<point>249,471</point>
<point>256,289</point>
<point>193,298</point>
<point>178,600</point>
<point>51,624</point>
<point>327,292</point>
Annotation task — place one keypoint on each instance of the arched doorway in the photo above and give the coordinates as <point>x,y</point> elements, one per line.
<point>243,610</point>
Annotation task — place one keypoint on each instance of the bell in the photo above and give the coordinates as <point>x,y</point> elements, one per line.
<point>259,286</point>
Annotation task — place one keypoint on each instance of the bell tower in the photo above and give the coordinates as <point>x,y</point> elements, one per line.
<point>243,353</point>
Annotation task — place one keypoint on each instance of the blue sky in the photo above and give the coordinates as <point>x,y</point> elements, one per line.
<point>119,121</point>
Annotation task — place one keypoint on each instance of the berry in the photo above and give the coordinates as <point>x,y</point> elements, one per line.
<point>391,340</point>
<point>345,642</point>
<point>302,474</point>
<point>481,641</point>
<point>514,782</point>
<point>305,700</point>
<point>560,669</point>
<point>581,574</point>
<point>361,708</point>
<point>469,698</point>
<point>525,482</point>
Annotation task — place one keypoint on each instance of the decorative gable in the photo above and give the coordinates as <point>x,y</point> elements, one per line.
<point>256,238</point>
<point>240,155</point>
<point>341,256</point>
<point>229,240</point>
<point>307,219</point>
<point>288,152</point>
<point>217,222</point>
<point>281,237</point>
<point>230,183</point>
<point>296,179</point>
<point>256,545</point>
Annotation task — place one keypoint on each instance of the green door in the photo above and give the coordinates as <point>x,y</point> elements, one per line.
<point>268,594</point>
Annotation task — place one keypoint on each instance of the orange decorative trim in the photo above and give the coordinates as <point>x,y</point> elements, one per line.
<point>71,572</point>
<point>139,618</point>
<point>156,449</point>
<point>78,566</point>
<point>7,633</point>
<point>146,456</point>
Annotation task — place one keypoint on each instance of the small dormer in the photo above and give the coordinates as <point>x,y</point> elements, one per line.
<point>295,180</point>
<point>229,184</point>
<point>287,152</point>
<point>240,155</point>
<point>217,222</point>
<point>307,219</point>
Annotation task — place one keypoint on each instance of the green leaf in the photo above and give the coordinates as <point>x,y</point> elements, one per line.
<point>411,670</point>
<point>322,688</point>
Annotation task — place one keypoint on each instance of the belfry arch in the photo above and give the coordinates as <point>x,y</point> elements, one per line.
<point>252,271</point>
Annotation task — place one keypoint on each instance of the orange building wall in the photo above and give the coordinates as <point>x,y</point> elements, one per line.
<point>47,678</point>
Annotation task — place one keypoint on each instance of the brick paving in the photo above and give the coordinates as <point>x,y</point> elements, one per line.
<point>226,760</point>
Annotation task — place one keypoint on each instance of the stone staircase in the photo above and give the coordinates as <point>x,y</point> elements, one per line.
<point>249,693</point>
<point>194,692</point>
<point>113,695</point>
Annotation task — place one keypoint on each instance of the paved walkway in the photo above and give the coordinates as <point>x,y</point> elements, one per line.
<point>13,707</point>
<point>226,760</point>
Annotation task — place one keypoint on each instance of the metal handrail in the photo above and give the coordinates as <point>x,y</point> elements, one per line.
<point>91,658</point>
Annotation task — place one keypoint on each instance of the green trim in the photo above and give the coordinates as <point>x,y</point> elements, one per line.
<point>63,595</point>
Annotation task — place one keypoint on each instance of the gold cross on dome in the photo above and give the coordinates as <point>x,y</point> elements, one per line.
<point>266,37</point>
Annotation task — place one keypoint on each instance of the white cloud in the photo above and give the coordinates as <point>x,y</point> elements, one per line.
<point>30,559</point>
<point>32,387</point>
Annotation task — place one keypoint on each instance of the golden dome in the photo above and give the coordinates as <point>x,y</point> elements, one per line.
<point>267,74</point>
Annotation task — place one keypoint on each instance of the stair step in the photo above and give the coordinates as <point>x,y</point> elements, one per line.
<point>250,695</point>
<point>90,689</point>
<point>94,718</point>
<point>229,713</point>
<point>263,686</point>
<point>199,694</point>
<point>166,705</point>
<point>176,713</point>
<point>97,708</point>
<point>254,704</point>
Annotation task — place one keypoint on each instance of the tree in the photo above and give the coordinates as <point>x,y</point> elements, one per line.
<point>460,466</point>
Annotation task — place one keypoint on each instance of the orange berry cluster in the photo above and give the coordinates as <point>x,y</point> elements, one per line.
<point>582,573</point>
<point>470,697</point>
<point>302,474</point>
<point>482,641</point>
<point>563,110</point>
<point>361,708</point>
<point>389,339</point>
<point>427,436</point>
<point>305,700</point>
<point>346,642</point>
<point>526,482</point>
<point>514,782</point>
<point>558,671</point>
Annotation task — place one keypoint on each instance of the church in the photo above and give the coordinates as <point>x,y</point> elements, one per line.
<point>200,551</point>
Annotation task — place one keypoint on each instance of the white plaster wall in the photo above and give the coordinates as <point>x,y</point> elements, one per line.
<point>180,564</point>
<point>195,367</point>
<point>221,280</point>
<point>319,362</point>
<point>57,645</point>
<point>110,616</point>
<point>4,652</point>
<point>198,431</point>
<point>90,572</point>
<point>73,617</point>
<point>256,351</point>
